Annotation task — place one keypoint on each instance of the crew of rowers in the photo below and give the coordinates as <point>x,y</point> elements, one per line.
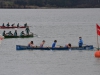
<point>8,25</point>
<point>15,33</point>
<point>80,43</point>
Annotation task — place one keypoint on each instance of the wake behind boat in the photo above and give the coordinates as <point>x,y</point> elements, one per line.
<point>21,47</point>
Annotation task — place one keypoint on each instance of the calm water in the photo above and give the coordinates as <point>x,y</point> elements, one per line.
<point>65,25</point>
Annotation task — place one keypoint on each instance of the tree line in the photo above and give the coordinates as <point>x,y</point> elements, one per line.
<point>49,3</point>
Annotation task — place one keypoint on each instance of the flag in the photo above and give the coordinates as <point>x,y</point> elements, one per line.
<point>98,29</point>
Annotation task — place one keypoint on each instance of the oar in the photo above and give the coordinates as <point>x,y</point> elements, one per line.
<point>35,34</point>
<point>96,48</point>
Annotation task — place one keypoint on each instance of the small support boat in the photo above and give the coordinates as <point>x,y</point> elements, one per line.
<point>21,47</point>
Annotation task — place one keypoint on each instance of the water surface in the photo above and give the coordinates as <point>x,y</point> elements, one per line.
<point>65,25</point>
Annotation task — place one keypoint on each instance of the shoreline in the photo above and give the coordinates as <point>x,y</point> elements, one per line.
<point>37,7</point>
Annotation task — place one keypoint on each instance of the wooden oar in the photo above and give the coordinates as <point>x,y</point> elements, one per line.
<point>35,34</point>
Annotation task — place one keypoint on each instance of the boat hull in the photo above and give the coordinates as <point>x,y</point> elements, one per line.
<point>27,36</point>
<point>20,47</point>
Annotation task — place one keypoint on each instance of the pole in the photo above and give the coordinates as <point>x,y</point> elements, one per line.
<point>97,36</point>
<point>97,42</point>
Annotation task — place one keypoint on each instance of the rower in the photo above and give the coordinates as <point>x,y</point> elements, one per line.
<point>8,24</point>
<point>25,24</point>
<point>80,43</point>
<point>15,33</point>
<point>4,33</point>
<point>54,44</point>
<point>12,25</point>
<point>3,25</point>
<point>9,33</point>
<point>31,44</point>
<point>22,33</point>
<point>18,25</point>
<point>41,45</point>
<point>68,46</point>
<point>27,30</point>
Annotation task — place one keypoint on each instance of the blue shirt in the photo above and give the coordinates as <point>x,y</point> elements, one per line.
<point>53,45</point>
<point>80,43</point>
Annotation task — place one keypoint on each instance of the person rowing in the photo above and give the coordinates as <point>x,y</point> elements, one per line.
<point>68,46</point>
<point>3,25</point>
<point>10,33</point>
<point>8,24</point>
<point>80,43</point>
<point>31,44</point>
<point>18,25</point>
<point>25,24</point>
<point>22,33</point>
<point>13,24</point>
<point>54,44</point>
<point>4,33</point>
<point>41,45</point>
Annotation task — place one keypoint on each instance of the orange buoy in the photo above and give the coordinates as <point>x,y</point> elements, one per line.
<point>97,54</point>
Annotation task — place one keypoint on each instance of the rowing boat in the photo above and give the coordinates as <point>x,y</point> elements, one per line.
<point>24,36</point>
<point>21,47</point>
<point>5,27</point>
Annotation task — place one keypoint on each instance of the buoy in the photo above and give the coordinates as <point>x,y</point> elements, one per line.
<point>97,54</point>
<point>1,37</point>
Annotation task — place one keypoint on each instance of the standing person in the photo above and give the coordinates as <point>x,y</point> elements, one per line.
<point>15,33</point>
<point>80,43</point>
<point>41,45</point>
<point>54,44</point>
<point>27,30</point>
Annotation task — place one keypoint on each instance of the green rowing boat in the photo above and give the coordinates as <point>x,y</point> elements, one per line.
<point>24,36</point>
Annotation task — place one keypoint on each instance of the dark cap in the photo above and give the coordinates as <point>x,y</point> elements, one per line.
<point>43,41</point>
<point>55,40</point>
